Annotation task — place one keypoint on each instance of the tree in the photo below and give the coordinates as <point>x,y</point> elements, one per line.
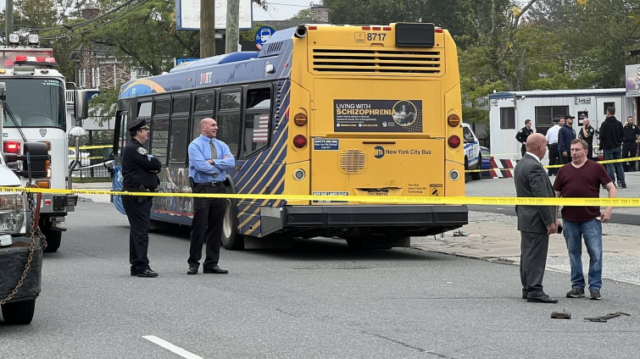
<point>304,15</point>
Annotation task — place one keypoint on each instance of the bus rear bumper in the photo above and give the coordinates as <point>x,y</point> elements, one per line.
<point>412,220</point>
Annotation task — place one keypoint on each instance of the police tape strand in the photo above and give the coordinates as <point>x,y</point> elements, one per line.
<point>631,159</point>
<point>487,201</point>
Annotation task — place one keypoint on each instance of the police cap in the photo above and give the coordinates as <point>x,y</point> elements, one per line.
<point>568,116</point>
<point>556,119</point>
<point>139,124</point>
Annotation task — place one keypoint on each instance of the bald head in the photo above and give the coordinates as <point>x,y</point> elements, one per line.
<point>537,144</point>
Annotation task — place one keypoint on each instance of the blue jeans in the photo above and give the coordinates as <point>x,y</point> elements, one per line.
<point>592,233</point>
<point>615,154</point>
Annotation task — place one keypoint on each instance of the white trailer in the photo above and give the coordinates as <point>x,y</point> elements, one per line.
<point>509,110</point>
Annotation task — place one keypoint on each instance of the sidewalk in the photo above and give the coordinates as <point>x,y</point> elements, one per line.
<point>495,237</point>
<point>101,186</point>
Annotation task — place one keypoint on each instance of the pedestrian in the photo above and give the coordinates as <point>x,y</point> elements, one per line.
<point>611,138</point>
<point>582,179</point>
<point>630,143</point>
<point>522,135</point>
<point>209,160</point>
<point>587,134</point>
<point>565,136</point>
<point>552,140</point>
<point>139,172</point>
<point>535,223</point>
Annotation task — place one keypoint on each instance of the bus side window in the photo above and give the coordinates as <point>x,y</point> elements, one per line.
<point>257,119</point>
<point>229,120</point>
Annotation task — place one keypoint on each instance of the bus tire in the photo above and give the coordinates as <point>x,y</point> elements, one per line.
<point>53,238</point>
<point>19,313</point>
<point>231,239</point>
<point>477,175</point>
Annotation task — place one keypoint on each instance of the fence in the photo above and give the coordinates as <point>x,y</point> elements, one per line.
<point>92,158</point>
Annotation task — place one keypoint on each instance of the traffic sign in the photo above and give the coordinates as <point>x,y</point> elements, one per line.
<point>263,34</point>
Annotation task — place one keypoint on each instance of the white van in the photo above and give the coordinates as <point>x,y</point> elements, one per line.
<point>472,154</point>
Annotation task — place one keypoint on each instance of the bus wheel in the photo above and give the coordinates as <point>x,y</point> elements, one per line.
<point>19,313</point>
<point>477,175</point>
<point>231,240</point>
<point>52,237</point>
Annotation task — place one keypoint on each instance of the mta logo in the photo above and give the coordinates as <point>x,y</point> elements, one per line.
<point>378,152</point>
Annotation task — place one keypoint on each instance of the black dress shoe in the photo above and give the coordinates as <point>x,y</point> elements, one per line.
<point>524,293</point>
<point>133,272</point>
<point>192,270</point>
<point>542,299</point>
<point>147,273</point>
<point>215,270</point>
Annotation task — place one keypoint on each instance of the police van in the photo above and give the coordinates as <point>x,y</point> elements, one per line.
<point>472,154</point>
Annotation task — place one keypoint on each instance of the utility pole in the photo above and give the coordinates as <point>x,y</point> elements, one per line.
<point>233,20</point>
<point>9,21</point>
<point>207,28</point>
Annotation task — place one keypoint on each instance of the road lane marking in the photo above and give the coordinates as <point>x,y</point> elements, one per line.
<point>170,347</point>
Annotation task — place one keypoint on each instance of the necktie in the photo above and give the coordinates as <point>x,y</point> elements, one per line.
<point>214,152</point>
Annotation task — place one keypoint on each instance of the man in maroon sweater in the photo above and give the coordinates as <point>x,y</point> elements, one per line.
<point>582,178</point>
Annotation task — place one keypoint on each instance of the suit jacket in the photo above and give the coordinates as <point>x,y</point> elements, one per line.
<point>532,181</point>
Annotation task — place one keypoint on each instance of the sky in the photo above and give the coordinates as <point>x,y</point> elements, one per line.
<point>278,9</point>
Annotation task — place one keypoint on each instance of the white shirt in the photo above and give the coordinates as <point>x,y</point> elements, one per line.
<point>552,134</point>
<point>534,156</point>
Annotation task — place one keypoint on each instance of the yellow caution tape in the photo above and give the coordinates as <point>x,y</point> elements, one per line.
<point>91,147</point>
<point>631,159</point>
<point>487,201</point>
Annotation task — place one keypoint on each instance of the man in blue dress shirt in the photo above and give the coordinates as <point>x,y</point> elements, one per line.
<point>209,160</point>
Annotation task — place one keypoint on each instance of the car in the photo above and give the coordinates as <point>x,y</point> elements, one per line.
<point>486,162</point>
<point>472,154</point>
<point>84,157</point>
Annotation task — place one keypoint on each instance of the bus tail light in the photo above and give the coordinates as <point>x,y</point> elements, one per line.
<point>454,141</point>
<point>43,184</point>
<point>300,141</point>
<point>300,119</point>
<point>48,167</point>
<point>453,120</point>
<point>11,147</point>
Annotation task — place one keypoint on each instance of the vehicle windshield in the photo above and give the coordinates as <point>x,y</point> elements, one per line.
<point>36,103</point>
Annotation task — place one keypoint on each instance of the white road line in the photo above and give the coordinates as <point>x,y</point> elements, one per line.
<point>170,347</point>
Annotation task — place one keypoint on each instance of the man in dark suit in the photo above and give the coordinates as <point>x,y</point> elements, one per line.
<point>535,223</point>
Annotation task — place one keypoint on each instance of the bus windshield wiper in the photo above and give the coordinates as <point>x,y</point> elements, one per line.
<point>8,112</point>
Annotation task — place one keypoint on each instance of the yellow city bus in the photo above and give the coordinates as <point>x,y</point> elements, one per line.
<point>320,110</point>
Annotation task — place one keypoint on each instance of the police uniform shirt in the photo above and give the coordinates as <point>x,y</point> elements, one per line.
<point>523,134</point>
<point>631,132</point>
<point>139,168</point>
<point>552,134</point>
<point>590,131</point>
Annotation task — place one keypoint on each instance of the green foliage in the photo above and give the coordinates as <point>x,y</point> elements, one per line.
<point>304,14</point>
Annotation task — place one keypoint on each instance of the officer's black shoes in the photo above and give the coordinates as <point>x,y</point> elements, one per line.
<point>215,270</point>
<point>147,273</point>
<point>192,270</point>
<point>133,272</point>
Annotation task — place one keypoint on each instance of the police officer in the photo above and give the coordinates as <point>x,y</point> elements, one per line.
<point>139,169</point>
<point>586,133</point>
<point>209,160</point>
<point>630,144</point>
<point>522,135</point>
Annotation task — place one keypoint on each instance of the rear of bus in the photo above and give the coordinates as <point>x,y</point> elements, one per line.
<point>378,110</point>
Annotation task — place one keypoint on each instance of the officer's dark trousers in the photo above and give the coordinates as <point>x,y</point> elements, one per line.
<point>207,226</point>
<point>523,149</point>
<point>553,158</point>
<point>629,150</point>
<point>533,259</point>
<point>139,215</point>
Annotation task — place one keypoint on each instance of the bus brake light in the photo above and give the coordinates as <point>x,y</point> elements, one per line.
<point>300,141</point>
<point>454,141</point>
<point>11,147</point>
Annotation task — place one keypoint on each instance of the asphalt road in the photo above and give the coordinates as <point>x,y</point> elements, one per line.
<point>318,300</point>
